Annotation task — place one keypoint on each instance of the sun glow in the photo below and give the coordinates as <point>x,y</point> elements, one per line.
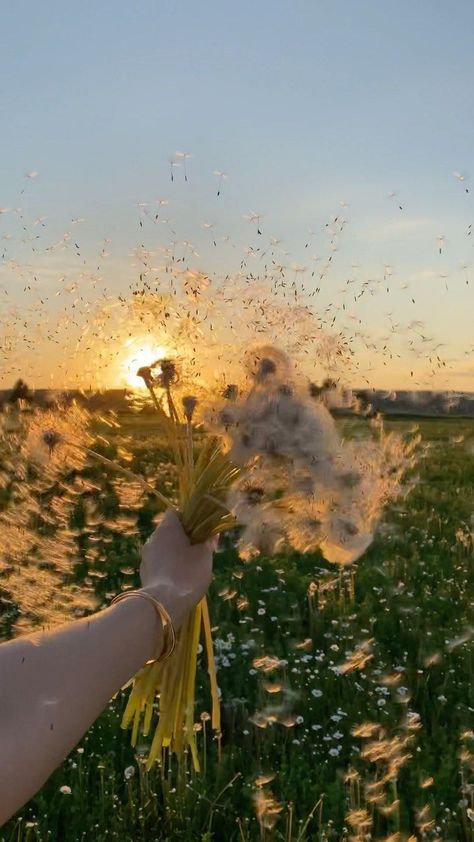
<point>138,354</point>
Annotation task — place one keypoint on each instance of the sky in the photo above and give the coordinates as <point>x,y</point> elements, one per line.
<point>356,110</point>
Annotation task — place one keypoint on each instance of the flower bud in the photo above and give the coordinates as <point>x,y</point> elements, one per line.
<point>166,372</point>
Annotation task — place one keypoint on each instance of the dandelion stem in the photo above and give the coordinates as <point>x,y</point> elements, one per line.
<point>125,471</point>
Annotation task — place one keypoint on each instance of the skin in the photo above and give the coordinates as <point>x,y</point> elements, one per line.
<point>54,684</point>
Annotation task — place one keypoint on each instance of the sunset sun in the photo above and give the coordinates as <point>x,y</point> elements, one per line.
<point>137,354</point>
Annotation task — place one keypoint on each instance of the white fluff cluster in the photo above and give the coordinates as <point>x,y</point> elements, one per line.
<point>304,486</point>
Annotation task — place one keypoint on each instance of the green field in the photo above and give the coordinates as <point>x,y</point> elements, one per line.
<point>405,610</point>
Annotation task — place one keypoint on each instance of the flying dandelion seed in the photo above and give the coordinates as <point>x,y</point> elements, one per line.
<point>173,164</point>
<point>358,659</point>
<point>184,156</point>
<point>221,176</point>
<point>267,809</point>
<point>441,242</point>
<point>461,178</point>
<point>254,218</point>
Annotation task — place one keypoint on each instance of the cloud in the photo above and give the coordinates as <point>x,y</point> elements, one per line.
<point>423,275</point>
<point>464,372</point>
<point>395,230</point>
<point>463,375</point>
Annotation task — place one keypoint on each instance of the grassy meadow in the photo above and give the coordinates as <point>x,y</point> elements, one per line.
<point>307,654</point>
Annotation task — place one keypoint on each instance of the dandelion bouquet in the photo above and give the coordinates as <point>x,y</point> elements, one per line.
<point>203,483</point>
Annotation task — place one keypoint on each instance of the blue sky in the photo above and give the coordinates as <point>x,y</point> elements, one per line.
<point>303,104</point>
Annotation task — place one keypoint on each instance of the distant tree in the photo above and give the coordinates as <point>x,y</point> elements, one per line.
<point>328,385</point>
<point>364,404</point>
<point>20,392</point>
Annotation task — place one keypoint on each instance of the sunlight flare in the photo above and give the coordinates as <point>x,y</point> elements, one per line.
<point>138,353</point>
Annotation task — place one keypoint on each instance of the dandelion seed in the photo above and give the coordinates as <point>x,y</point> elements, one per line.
<point>366,730</point>
<point>267,809</point>
<point>267,663</point>
<point>263,780</point>
<point>358,659</point>
<point>184,156</point>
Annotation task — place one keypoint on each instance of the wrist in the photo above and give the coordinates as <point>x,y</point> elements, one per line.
<point>169,599</point>
<point>167,626</point>
<point>148,631</point>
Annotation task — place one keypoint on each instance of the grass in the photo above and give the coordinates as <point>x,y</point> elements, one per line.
<point>411,595</point>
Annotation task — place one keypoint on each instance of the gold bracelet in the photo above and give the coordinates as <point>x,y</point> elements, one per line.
<point>169,634</point>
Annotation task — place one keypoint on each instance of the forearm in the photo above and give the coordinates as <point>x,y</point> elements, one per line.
<point>53,685</point>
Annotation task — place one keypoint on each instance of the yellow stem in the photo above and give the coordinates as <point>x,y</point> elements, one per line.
<point>211,666</point>
<point>117,467</point>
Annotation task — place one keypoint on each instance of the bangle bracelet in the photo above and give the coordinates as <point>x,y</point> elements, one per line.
<point>169,634</point>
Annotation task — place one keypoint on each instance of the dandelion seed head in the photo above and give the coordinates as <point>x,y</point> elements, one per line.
<point>189,405</point>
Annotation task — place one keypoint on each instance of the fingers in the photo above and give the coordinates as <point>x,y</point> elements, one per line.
<point>171,526</point>
<point>172,521</point>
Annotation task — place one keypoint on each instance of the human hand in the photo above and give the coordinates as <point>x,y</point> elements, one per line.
<point>173,570</point>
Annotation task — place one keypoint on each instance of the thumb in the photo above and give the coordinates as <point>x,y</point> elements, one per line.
<point>213,543</point>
